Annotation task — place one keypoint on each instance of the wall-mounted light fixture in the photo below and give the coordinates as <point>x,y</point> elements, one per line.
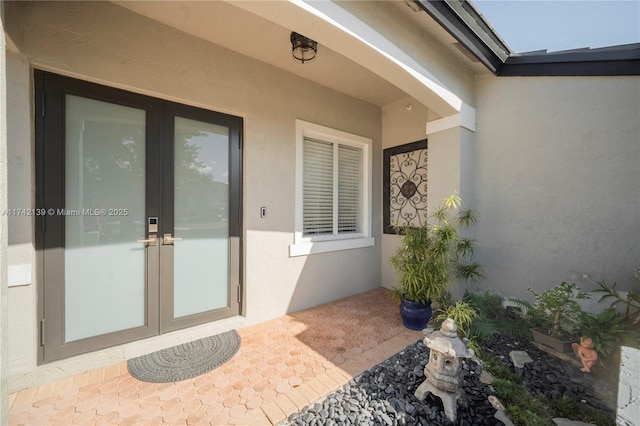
<point>302,48</point>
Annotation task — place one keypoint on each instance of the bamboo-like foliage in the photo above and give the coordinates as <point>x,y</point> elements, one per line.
<point>431,255</point>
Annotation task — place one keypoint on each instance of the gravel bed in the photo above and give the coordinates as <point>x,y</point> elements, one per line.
<point>383,395</point>
<point>553,378</point>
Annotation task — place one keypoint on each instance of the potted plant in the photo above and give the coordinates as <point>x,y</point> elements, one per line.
<point>559,312</point>
<point>428,258</point>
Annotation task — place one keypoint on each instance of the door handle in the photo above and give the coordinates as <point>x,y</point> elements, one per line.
<point>167,239</point>
<point>152,241</point>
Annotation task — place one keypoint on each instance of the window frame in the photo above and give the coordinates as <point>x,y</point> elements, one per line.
<point>306,244</point>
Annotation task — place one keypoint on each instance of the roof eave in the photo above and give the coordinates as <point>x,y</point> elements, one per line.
<point>460,19</point>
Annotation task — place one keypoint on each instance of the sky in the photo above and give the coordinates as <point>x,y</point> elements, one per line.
<point>527,25</point>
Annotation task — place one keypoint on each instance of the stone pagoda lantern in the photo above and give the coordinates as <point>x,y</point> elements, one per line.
<point>443,369</point>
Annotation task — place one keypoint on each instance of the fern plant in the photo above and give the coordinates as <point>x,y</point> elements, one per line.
<point>493,317</point>
<point>607,329</point>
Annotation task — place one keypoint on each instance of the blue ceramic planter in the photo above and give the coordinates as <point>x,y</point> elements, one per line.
<point>415,315</point>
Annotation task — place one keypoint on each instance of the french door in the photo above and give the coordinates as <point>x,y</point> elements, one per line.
<point>139,224</point>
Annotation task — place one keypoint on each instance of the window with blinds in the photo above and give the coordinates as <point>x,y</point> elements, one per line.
<point>332,188</point>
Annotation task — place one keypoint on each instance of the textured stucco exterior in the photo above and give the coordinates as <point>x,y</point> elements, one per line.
<point>80,40</point>
<point>628,409</point>
<point>551,165</point>
<point>557,180</point>
<point>4,301</point>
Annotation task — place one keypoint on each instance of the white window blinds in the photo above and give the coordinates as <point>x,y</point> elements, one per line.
<point>332,188</point>
<point>349,189</point>
<point>317,187</point>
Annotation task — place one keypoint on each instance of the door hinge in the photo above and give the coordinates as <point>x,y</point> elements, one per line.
<point>239,293</point>
<point>42,332</point>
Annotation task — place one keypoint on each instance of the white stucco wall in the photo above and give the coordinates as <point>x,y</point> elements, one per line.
<point>450,166</point>
<point>81,40</point>
<point>628,407</point>
<point>403,122</point>
<point>4,315</point>
<point>557,180</point>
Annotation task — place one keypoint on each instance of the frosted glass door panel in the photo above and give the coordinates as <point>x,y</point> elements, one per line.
<point>104,217</point>
<point>201,217</point>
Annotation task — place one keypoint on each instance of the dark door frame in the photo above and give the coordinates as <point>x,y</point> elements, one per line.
<point>50,91</point>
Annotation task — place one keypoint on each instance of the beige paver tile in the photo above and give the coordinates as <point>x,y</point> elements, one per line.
<point>273,412</point>
<point>45,401</point>
<point>12,398</point>
<point>80,380</point>
<point>24,398</point>
<point>85,417</point>
<point>308,392</point>
<point>130,421</point>
<point>107,419</point>
<point>172,415</point>
<point>211,398</point>
<point>112,371</point>
<point>236,413</point>
<point>127,410</point>
<point>197,417</point>
<point>351,368</point>
<point>44,391</point>
<point>268,394</point>
<point>86,405</point>
<point>253,417</point>
<point>214,408</point>
<point>96,375</point>
<point>149,412</point>
<point>282,366</point>
<point>339,375</point>
<point>62,417</point>
<point>285,404</point>
<point>319,387</point>
<point>298,399</point>
<point>172,403</point>
<point>62,386</point>
<point>219,419</point>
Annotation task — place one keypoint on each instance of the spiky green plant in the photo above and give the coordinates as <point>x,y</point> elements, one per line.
<point>631,301</point>
<point>430,255</point>
<point>461,313</point>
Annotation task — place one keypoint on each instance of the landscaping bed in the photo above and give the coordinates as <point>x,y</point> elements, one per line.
<point>384,394</point>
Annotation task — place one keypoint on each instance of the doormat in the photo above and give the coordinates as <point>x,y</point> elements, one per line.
<point>187,360</point>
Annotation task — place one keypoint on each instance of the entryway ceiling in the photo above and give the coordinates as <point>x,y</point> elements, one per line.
<point>239,30</point>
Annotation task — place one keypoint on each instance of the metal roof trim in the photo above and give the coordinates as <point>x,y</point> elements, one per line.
<point>460,19</point>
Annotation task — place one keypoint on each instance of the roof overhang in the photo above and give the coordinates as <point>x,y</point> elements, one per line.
<point>363,44</point>
<point>460,19</point>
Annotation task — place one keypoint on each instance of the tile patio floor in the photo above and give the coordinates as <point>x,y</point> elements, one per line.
<point>282,365</point>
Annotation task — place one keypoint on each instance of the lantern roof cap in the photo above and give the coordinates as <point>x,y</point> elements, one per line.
<point>446,341</point>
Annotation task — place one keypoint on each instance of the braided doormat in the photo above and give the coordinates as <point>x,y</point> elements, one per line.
<point>187,360</point>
